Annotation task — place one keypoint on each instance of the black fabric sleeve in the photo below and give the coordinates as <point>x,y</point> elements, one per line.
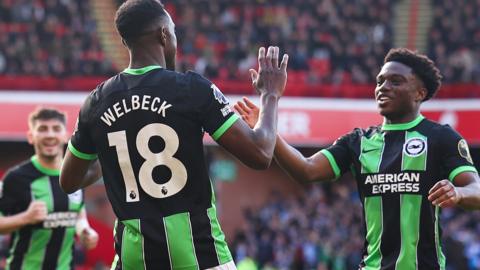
<point>82,144</point>
<point>455,154</point>
<point>14,194</point>
<point>214,109</point>
<point>339,153</point>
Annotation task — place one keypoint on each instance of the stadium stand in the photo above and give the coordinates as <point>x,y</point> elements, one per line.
<point>50,38</point>
<point>454,39</point>
<point>336,47</point>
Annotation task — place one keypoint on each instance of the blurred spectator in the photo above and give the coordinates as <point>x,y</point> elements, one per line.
<point>325,36</point>
<point>337,43</point>
<point>50,37</point>
<point>454,39</point>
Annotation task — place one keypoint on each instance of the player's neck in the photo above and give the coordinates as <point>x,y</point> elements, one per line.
<point>54,163</point>
<point>405,118</point>
<point>144,57</point>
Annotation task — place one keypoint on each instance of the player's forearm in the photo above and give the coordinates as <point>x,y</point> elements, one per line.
<point>93,174</point>
<point>9,224</point>
<point>73,173</point>
<point>265,131</point>
<point>291,160</point>
<point>470,196</point>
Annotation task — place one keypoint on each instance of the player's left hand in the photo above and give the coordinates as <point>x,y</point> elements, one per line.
<point>248,111</point>
<point>444,194</point>
<point>89,238</point>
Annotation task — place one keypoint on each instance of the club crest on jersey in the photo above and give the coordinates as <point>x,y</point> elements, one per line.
<point>76,197</point>
<point>464,151</point>
<point>414,147</point>
<point>218,95</point>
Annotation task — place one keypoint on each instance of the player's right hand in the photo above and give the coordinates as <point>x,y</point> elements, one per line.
<point>248,111</point>
<point>270,78</point>
<point>36,212</point>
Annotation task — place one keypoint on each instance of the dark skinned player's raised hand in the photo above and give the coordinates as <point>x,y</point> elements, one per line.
<point>270,78</point>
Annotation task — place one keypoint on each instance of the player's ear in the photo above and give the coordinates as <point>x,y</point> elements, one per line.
<point>163,35</point>
<point>421,94</point>
<point>30,136</point>
<point>65,136</point>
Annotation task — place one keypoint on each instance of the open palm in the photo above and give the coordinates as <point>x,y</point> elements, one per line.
<point>248,111</point>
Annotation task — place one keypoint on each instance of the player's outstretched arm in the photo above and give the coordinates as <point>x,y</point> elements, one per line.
<point>465,193</point>
<point>78,173</point>
<point>300,168</point>
<point>254,146</point>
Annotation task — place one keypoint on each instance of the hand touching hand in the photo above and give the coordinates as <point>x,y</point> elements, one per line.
<point>248,111</point>
<point>270,78</point>
<point>444,194</point>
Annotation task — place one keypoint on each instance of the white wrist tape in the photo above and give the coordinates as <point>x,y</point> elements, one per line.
<point>81,225</point>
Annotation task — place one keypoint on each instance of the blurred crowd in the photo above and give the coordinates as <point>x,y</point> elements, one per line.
<point>454,40</point>
<point>330,42</point>
<point>50,37</point>
<point>322,230</point>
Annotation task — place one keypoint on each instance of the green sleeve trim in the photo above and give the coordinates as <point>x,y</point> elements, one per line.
<point>332,161</point>
<point>459,170</point>
<point>219,132</point>
<point>79,154</point>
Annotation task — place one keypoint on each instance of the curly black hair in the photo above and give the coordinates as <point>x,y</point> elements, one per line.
<point>421,66</point>
<point>134,18</point>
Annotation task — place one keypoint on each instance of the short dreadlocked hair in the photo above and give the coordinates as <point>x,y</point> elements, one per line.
<point>421,65</point>
<point>135,17</point>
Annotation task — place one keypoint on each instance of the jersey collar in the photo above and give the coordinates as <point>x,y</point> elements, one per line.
<point>403,126</point>
<point>47,171</point>
<point>140,71</point>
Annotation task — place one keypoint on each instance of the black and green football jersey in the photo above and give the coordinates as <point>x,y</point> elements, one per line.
<point>395,165</point>
<point>49,244</point>
<point>147,126</point>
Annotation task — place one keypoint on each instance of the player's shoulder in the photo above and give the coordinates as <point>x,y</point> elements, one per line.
<point>355,136</point>
<point>438,129</point>
<point>203,88</point>
<point>181,81</point>
<point>99,93</point>
<point>197,80</point>
<point>368,132</point>
<point>24,171</point>
<point>104,88</point>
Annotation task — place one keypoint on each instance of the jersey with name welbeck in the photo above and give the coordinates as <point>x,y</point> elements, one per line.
<point>148,130</point>
<point>133,103</point>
